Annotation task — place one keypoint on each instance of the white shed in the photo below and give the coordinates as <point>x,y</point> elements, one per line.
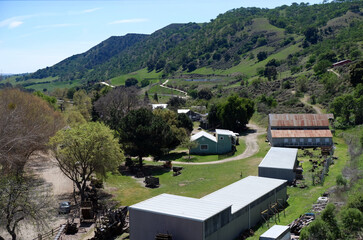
<point>279,163</point>
<point>277,232</point>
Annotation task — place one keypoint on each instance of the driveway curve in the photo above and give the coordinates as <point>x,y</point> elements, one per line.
<point>251,140</point>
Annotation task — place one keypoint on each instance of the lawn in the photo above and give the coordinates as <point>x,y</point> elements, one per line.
<point>139,75</point>
<point>160,90</point>
<point>182,156</point>
<point>195,180</point>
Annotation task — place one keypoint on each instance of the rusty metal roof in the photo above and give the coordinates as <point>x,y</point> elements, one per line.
<point>301,133</point>
<point>299,120</point>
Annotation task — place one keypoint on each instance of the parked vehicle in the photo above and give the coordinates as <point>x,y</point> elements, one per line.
<point>64,207</point>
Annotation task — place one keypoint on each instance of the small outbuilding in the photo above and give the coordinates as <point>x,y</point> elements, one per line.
<point>279,163</point>
<point>159,106</point>
<point>223,142</point>
<point>277,232</point>
<point>223,214</point>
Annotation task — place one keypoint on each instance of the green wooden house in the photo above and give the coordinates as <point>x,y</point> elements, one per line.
<point>223,142</point>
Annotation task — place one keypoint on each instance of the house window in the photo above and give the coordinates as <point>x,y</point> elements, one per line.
<point>301,140</point>
<point>310,140</point>
<point>204,147</point>
<point>286,140</point>
<point>318,140</point>
<point>326,140</point>
<point>221,138</point>
<point>294,140</point>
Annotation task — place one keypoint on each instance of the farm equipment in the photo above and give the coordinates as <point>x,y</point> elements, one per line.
<point>86,212</point>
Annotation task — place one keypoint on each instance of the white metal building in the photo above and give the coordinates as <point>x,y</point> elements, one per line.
<point>277,232</point>
<point>223,214</point>
<point>279,163</point>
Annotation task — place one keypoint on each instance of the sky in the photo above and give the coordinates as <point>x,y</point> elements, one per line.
<point>37,34</point>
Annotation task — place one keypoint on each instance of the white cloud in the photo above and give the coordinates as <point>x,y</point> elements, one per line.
<point>135,20</point>
<point>83,11</point>
<point>55,25</point>
<point>15,24</point>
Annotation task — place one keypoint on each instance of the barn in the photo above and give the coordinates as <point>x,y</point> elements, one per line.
<point>223,214</point>
<point>279,163</point>
<point>300,130</point>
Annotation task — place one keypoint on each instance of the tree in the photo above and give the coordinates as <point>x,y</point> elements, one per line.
<point>21,199</point>
<point>26,123</point>
<point>356,73</point>
<point>311,35</point>
<point>187,143</point>
<point>328,217</point>
<point>235,113</point>
<point>343,106</point>
<point>156,98</point>
<point>84,150</point>
<point>261,56</point>
<point>340,180</point>
<point>176,102</point>
<point>205,94</point>
<point>185,122</point>
<point>213,118</point>
<point>352,219</point>
<point>83,103</point>
<point>321,66</point>
<point>317,230</point>
<point>270,72</point>
<point>116,104</point>
<point>131,82</point>
<point>142,134</point>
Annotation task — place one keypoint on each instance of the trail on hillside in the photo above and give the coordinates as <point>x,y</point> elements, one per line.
<point>251,140</point>
<point>331,70</point>
<point>175,89</point>
<point>305,100</point>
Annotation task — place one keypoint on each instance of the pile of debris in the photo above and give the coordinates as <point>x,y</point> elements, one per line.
<point>151,182</point>
<point>111,224</point>
<point>177,171</point>
<point>298,224</point>
<point>321,204</point>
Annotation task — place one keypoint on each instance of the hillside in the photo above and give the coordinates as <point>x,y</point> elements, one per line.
<point>240,42</point>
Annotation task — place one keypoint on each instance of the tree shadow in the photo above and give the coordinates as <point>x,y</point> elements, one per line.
<point>247,131</point>
<point>174,156</point>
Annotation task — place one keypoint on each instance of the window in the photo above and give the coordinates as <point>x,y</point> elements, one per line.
<point>286,140</point>
<point>204,147</point>
<point>310,140</point>
<point>301,140</point>
<point>326,140</point>
<point>318,140</point>
<point>221,138</point>
<point>294,140</point>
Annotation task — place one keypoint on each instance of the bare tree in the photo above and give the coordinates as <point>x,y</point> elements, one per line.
<point>22,198</point>
<point>116,104</point>
<point>26,123</point>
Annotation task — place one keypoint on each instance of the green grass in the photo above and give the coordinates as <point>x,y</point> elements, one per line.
<point>53,85</point>
<point>160,90</point>
<point>139,75</point>
<point>301,200</point>
<point>195,181</point>
<point>182,156</point>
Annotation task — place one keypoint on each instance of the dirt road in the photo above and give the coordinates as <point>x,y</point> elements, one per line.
<point>251,140</point>
<point>305,100</point>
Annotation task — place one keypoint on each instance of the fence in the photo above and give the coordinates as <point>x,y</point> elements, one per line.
<point>54,233</point>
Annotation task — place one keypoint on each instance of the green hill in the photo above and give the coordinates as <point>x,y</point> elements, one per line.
<point>230,45</point>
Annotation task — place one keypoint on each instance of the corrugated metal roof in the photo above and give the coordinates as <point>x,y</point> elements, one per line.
<point>275,231</point>
<point>185,207</point>
<point>279,158</point>
<point>299,120</point>
<point>301,133</point>
<point>225,132</point>
<point>183,110</point>
<point>244,192</point>
<point>161,105</point>
<point>203,134</point>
